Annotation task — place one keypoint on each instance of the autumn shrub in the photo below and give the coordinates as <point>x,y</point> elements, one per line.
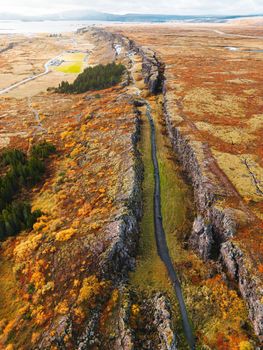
<point>65,235</point>
<point>90,290</point>
<point>245,345</point>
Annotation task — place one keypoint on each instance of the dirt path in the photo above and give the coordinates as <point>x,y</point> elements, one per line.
<point>160,236</point>
<point>220,32</point>
<point>39,126</point>
<point>22,82</point>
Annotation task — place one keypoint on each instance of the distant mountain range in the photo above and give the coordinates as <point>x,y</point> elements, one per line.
<point>87,15</point>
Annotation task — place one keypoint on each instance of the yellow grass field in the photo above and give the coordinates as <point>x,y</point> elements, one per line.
<point>72,67</point>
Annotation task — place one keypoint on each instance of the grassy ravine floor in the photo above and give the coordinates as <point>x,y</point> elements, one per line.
<point>151,275</point>
<point>215,310</point>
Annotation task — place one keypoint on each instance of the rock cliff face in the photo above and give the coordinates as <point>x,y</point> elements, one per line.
<point>152,67</point>
<point>249,285</point>
<point>215,226</point>
<point>201,239</point>
<point>121,255</point>
<point>162,320</point>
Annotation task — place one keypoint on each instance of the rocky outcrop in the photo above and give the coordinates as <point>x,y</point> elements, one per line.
<point>249,285</point>
<point>163,323</point>
<point>124,339</point>
<point>121,255</point>
<point>152,67</point>
<point>64,328</point>
<point>201,239</point>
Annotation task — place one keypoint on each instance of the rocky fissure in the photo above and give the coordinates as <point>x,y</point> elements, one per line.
<point>214,227</point>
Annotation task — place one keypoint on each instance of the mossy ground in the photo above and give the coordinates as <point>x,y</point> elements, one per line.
<point>150,270</point>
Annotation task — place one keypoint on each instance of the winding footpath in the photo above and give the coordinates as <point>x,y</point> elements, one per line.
<point>39,126</point>
<point>160,237</point>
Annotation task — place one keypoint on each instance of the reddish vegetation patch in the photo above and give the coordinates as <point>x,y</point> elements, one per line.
<point>86,189</point>
<point>221,88</point>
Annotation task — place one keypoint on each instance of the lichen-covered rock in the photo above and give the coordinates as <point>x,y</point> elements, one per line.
<point>201,239</point>
<point>162,320</point>
<point>249,285</point>
<point>230,256</point>
<point>124,339</point>
<point>88,338</point>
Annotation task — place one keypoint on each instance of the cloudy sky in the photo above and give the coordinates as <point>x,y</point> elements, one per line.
<point>226,7</point>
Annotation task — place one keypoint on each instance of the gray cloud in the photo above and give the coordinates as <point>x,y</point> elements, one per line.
<point>225,7</point>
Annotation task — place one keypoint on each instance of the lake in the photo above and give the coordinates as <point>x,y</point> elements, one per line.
<point>12,26</point>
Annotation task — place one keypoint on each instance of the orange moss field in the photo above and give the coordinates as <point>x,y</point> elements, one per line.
<point>93,137</point>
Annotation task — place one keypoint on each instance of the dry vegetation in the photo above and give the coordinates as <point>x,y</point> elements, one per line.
<point>80,199</point>
<point>28,55</point>
<point>56,268</point>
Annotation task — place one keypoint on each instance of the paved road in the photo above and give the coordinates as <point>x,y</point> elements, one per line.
<point>162,247</point>
<point>33,77</point>
<point>237,35</point>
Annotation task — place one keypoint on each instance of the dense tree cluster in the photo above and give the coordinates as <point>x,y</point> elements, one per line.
<point>21,172</point>
<point>17,217</point>
<point>94,78</point>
